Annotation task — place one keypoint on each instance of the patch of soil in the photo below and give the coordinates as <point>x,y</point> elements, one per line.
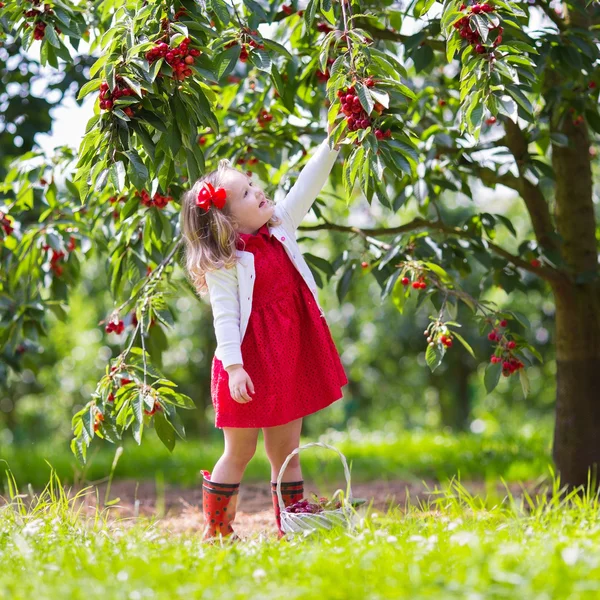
<point>179,510</point>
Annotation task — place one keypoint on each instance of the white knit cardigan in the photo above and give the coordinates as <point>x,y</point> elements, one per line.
<point>230,290</point>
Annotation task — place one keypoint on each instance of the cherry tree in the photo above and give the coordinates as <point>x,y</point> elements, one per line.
<point>428,100</point>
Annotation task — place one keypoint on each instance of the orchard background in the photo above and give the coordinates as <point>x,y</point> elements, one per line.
<point>456,248</point>
<point>456,244</point>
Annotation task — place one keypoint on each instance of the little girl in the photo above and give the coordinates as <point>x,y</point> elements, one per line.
<point>275,360</point>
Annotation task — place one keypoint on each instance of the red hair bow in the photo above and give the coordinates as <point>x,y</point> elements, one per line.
<point>208,195</point>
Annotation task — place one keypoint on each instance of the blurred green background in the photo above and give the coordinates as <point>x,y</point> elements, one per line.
<point>391,392</point>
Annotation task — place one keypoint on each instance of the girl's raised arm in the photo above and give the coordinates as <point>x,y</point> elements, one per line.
<point>310,182</point>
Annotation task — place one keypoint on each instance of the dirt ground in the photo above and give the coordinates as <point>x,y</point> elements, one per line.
<point>179,510</point>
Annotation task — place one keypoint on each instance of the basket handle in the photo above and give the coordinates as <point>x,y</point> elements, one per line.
<point>297,451</point>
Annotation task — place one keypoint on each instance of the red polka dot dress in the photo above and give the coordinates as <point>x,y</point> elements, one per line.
<point>287,349</point>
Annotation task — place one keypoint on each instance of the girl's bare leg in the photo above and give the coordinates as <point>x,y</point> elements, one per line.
<point>279,443</point>
<point>240,446</point>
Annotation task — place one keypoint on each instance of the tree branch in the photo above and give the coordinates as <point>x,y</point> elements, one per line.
<point>546,273</point>
<point>532,195</point>
<point>394,36</point>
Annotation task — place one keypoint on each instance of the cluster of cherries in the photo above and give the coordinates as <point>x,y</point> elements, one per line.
<point>58,256</point>
<point>510,363</point>
<point>123,381</point>
<point>419,284</point>
<point>288,10</point>
<point>264,118</point>
<point>179,58</point>
<point>107,99</point>
<point>305,506</point>
<point>5,222</point>
<point>116,327</point>
<point>444,339</point>
<point>356,116</point>
<point>157,200</point>
<point>246,47</point>
<point>98,420</point>
<point>471,36</point>
<point>39,26</point>
<point>323,76</point>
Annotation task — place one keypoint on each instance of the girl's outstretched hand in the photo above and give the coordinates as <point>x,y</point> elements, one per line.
<point>240,385</point>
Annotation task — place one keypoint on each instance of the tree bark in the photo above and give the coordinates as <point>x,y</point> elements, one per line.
<point>577,430</point>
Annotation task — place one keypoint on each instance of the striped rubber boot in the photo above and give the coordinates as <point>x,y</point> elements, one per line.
<point>291,491</point>
<point>219,502</point>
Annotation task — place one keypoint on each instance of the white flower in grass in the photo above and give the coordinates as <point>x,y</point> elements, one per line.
<point>570,555</point>
<point>464,538</point>
<point>259,574</point>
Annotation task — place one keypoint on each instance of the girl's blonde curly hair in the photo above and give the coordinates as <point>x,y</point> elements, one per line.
<point>209,237</point>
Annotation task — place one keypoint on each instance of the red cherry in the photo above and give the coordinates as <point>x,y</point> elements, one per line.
<point>202,140</point>
<point>379,134</point>
<point>535,263</point>
<point>416,285</point>
<point>490,121</point>
<point>511,345</point>
<point>364,264</point>
<point>476,9</point>
<point>189,60</point>
<point>405,281</point>
<point>479,49</point>
<point>370,82</point>
<point>503,323</point>
<point>492,336</point>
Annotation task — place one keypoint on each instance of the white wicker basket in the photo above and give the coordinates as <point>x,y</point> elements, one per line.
<point>327,519</point>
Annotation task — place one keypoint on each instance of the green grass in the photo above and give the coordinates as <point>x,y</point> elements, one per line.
<point>374,455</point>
<point>458,546</point>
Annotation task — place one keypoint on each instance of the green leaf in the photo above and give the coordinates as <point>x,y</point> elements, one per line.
<point>482,25</point>
<point>138,405</point>
<point>426,7</point>
<point>309,13</point>
<point>434,355</point>
<point>117,175</point>
<point>176,398</point>
<point>261,60</point>
<point>50,35</point>
<point>225,62</point>
<point>492,375</point>
<point>138,428</point>
<point>277,47</point>
<point>222,11</point>
<point>90,86</point>
<point>365,97</point>
<point>520,98</point>
<point>164,430</point>
<point>441,273</point>
<point>399,294</point>
<point>464,343</point>
<point>344,282</point>
<point>138,172</point>
<point>524,382</point>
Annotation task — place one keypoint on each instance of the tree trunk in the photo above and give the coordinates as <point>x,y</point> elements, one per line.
<point>577,429</point>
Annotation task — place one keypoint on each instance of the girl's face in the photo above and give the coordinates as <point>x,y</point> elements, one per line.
<point>247,202</point>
